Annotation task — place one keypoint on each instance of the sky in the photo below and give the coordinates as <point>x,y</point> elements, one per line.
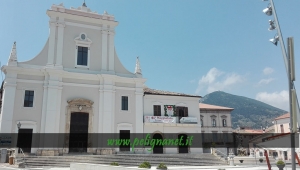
<point>186,46</point>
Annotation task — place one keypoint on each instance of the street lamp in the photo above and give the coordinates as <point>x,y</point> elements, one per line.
<point>289,65</point>
<point>19,126</point>
<point>272,26</point>
<point>275,40</point>
<point>268,10</point>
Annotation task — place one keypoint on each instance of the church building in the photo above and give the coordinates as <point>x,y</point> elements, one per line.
<point>78,84</point>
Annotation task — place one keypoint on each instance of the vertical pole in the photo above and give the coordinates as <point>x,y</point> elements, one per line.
<point>291,85</point>
<point>290,44</point>
<point>267,159</point>
<point>280,37</point>
<point>296,155</point>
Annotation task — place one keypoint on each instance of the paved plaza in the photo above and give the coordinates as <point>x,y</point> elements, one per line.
<point>247,167</point>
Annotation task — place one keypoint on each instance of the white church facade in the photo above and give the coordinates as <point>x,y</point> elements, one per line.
<point>78,84</point>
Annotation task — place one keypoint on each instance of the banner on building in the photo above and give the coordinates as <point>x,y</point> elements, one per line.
<point>160,119</point>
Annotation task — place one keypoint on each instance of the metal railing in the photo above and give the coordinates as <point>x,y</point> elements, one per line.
<point>217,152</point>
<point>24,160</point>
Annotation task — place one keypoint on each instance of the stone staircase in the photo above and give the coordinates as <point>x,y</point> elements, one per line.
<point>205,159</point>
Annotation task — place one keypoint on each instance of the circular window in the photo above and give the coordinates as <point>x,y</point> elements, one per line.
<point>82,36</point>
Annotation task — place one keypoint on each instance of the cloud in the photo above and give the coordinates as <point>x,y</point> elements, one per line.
<point>216,80</point>
<point>265,81</point>
<point>276,99</point>
<point>268,71</point>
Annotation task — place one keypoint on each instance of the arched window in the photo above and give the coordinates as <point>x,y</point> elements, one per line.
<point>224,123</point>
<point>201,122</point>
<point>214,123</point>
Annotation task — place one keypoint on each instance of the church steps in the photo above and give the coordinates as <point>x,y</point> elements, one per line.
<point>123,160</point>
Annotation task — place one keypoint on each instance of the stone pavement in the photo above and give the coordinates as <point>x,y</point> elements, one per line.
<point>247,167</point>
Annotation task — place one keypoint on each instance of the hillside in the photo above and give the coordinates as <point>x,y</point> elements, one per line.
<point>247,112</point>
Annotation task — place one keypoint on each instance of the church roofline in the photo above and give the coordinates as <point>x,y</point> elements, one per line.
<point>61,11</point>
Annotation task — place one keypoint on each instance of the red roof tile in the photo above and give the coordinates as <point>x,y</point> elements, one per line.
<point>203,106</point>
<point>287,115</point>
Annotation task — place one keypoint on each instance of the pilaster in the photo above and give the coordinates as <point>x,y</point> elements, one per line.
<point>60,40</point>
<point>104,48</point>
<point>139,128</point>
<point>51,48</point>
<point>8,100</point>
<point>111,51</point>
<point>108,104</point>
<point>53,107</point>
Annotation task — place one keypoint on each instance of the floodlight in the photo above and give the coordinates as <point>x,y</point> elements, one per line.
<point>272,26</point>
<point>275,40</point>
<point>268,10</point>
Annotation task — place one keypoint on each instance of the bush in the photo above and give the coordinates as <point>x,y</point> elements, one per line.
<point>114,164</point>
<point>161,166</point>
<point>260,159</point>
<point>145,165</point>
<point>280,163</point>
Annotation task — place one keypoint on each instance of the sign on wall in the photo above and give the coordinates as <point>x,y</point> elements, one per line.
<point>160,119</point>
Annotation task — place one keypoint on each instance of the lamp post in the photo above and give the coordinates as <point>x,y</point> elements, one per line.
<point>288,59</point>
<point>19,126</point>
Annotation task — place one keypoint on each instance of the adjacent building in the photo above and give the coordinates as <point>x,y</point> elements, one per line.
<point>216,125</point>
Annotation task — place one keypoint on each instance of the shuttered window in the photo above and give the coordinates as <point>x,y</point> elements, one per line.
<point>157,110</point>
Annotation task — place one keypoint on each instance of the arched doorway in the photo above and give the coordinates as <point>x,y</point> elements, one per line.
<point>183,148</point>
<point>158,147</point>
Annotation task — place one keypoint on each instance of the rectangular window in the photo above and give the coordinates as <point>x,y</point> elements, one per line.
<point>214,123</point>
<point>124,102</point>
<point>215,137</point>
<point>28,99</point>
<point>82,56</point>
<point>225,137</point>
<point>157,110</point>
<point>281,128</point>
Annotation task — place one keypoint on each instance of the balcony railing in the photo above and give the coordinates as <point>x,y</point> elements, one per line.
<point>167,119</point>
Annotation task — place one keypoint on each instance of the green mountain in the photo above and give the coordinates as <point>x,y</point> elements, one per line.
<point>247,112</point>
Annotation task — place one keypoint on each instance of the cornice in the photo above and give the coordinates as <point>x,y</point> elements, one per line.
<point>86,19</point>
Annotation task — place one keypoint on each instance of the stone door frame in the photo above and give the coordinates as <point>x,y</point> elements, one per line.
<point>83,106</point>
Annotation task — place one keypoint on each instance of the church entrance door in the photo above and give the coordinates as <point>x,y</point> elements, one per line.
<point>79,132</point>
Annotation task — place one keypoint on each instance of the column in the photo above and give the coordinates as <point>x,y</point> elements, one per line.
<point>60,41</point>
<point>139,125</point>
<point>7,110</point>
<point>51,47</point>
<point>111,51</point>
<point>104,49</point>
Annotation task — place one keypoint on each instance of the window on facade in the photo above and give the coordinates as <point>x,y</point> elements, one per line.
<point>182,112</point>
<point>215,137</point>
<point>214,123</point>
<point>124,102</point>
<point>201,122</point>
<point>157,110</point>
<point>224,123</point>
<point>281,128</point>
<point>28,99</point>
<point>82,56</point>
<point>225,137</point>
